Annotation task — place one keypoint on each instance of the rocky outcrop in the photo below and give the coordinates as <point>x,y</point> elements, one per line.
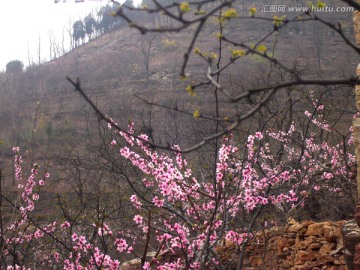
<point>351,236</point>
<point>299,245</point>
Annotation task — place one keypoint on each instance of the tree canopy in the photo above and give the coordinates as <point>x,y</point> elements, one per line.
<point>14,66</point>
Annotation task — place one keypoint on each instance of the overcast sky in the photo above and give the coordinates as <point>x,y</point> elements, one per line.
<point>22,22</point>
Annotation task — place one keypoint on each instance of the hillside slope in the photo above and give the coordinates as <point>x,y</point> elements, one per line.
<point>118,66</point>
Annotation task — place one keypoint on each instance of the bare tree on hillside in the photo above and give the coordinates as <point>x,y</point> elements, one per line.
<point>319,34</point>
<point>146,45</point>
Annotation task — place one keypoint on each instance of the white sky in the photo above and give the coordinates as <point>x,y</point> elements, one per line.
<point>23,21</point>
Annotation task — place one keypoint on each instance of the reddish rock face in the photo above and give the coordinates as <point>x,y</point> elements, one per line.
<point>314,229</point>
<point>298,246</point>
<point>357,257</point>
<point>357,214</point>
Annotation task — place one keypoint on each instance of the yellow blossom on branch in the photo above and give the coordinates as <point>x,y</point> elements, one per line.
<point>237,53</point>
<point>190,90</point>
<point>185,7</point>
<point>230,13</point>
<point>252,11</point>
<point>196,113</point>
